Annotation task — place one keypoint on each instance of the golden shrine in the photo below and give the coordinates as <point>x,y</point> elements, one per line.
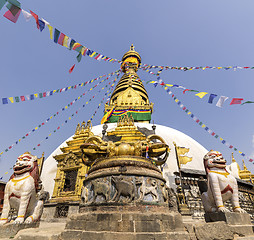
<point>244,174</point>
<point>70,168</point>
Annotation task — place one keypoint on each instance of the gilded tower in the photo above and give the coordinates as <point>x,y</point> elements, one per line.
<point>130,95</point>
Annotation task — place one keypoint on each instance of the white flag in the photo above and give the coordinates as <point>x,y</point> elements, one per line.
<point>47,23</point>
<point>26,15</point>
<point>221,100</point>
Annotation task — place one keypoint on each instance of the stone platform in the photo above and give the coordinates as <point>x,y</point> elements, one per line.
<point>125,226</point>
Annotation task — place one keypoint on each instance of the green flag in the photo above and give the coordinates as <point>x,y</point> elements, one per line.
<point>79,57</point>
<point>2,2</point>
<point>247,102</point>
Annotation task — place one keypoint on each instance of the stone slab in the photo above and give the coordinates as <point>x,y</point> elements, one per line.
<point>9,230</point>
<point>88,235</point>
<point>231,218</point>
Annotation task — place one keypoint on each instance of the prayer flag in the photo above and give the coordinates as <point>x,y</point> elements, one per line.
<point>76,45</point>
<point>47,23</point>
<point>65,41</point>
<point>11,99</point>
<point>27,15</point>
<point>22,98</point>
<point>71,43</point>
<point>186,90</point>
<point>201,94</point>
<point>9,15</point>
<point>56,35</point>
<point>83,51</point>
<point>247,102</point>
<point>221,100</point>
<point>2,3</point>
<point>5,100</point>
<point>50,31</point>
<point>36,19</point>
<point>15,2</point>
<point>16,99</point>
<point>41,24</point>
<point>107,115</point>
<point>236,101</point>
<point>32,97</point>
<point>61,38</point>
<point>212,96</point>
<point>79,57</point>
<point>71,69</point>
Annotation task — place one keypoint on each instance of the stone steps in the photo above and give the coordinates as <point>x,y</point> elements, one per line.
<point>46,231</point>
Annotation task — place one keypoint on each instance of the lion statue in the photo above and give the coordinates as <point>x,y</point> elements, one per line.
<point>222,185</point>
<point>22,191</point>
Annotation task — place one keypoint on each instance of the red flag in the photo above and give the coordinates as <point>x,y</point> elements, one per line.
<point>236,101</point>
<point>36,19</point>
<point>71,69</point>
<point>61,38</point>
<point>22,98</point>
<point>186,90</point>
<point>11,17</point>
<point>44,94</point>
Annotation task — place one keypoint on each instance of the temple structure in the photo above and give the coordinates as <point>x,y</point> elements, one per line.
<point>126,131</point>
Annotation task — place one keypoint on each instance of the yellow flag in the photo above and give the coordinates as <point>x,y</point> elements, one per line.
<point>184,159</point>
<point>182,150</point>
<point>65,41</point>
<point>11,99</point>
<point>50,31</point>
<point>170,85</point>
<point>92,54</point>
<point>36,94</point>
<point>201,94</point>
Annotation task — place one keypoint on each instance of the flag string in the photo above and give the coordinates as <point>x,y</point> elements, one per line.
<point>56,114</point>
<point>107,94</point>
<point>76,112</point>
<point>34,96</point>
<point>204,126</point>
<point>199,94</point>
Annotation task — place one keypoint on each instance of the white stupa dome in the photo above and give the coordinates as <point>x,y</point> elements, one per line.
<point>170,135</point>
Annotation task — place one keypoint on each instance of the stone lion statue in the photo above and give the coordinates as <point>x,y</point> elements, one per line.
<point>21,191</point>
<point>222,185</point>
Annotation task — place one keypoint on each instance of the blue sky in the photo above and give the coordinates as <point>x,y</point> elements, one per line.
<point>170,33</point>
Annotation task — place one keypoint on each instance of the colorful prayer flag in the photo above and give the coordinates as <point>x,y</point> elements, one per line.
<point>27,15</point>
<point>41,24</point>
<point>56,35</point>
<point>247,102</point>
<point>236,101</point>
<point>212,96</point>
<point>71,69</point>
<point>201,94</point>
<point>5,100</point>
<point>221,100</point>
<point>61,38</point>
<point>50,31</point>
<point>2,3</point>
<point>36,19</point>
<point>11,17</point>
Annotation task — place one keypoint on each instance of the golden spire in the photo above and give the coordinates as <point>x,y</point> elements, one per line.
<point>233,159</point>
<point>130,93</point>
<point>244,166</point>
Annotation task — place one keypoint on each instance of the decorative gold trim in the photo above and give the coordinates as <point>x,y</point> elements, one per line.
<point>236,207</point>
<point>220,206</point>
<point>20,216</point>
<point>18,180</point>
<point>221,173</point>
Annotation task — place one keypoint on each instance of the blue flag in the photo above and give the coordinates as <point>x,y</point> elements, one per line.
<point>212,96</point>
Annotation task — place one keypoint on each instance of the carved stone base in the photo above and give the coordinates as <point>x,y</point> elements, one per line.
<point>125,226</point>
<point>231,218</point>
<point>10,230</point>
